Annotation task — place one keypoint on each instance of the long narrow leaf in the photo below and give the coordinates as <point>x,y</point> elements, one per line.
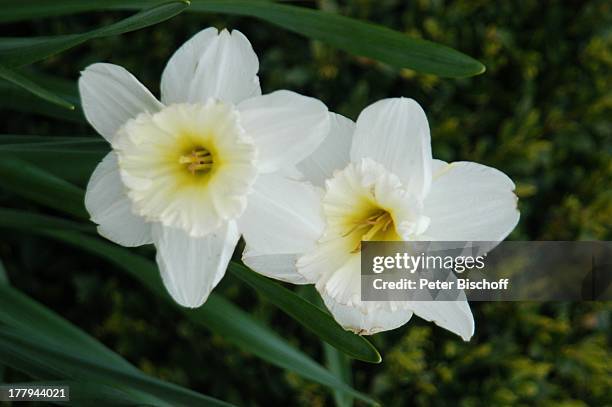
<point>21,352</point>
<point>23,51</point>
<point>19,311</point>
<point>218,315</point>
<point>70,158</point>
<point>52,144</point>
<point>54,334</point>
<point>12,218</point>
<point>18,99</point>
<point>357,37</point>
<point>309,315</point>
<point>3,276</point>
<point>335,361</point>
<point>19,10</point>
<point>340,365</point>
<point>33,183</point>
<point>20,80</point>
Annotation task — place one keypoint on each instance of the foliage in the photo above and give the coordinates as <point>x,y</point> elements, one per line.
<point>541,113</point>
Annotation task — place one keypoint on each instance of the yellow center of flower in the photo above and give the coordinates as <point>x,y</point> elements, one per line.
<point>377,225</point>
<point>198,161</point>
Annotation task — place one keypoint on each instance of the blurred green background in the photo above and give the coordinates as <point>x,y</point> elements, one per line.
<point>541,113</point>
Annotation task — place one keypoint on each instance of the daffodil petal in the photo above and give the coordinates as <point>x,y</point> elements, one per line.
<point>286,127</point>
<point>279,266</point>
<point>111,96</point>
<point>212,65</point>
<point>470,202</point>
<point>332,154</point>
<point>283,219</point>
<point>368,318</point>
<point>180,69</point>
<point>395,133</point>
<point>282,216</point>
<point>454,316</point>
<point>191,267</point>
<point>109,206</point>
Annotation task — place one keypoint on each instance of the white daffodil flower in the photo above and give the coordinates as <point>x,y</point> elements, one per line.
<point>381,183</point>
<point>182,171</point>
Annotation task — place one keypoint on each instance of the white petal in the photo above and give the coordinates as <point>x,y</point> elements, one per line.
<point>222,66</point>
<point>455,316</point>
<point>437,165</point>
<point>191,267</point>
<point>287,127</point>
<point>282,216</point>
<point>279,266</point>
<point>332,154</point>
<point>110,96</point>
<point>395,133</point>
<point>470,202</point>
<point>368,318</point>
<point>109,206</point>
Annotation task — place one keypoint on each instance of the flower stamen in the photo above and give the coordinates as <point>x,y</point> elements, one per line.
<point>374,224</point>
<point>200,159</point>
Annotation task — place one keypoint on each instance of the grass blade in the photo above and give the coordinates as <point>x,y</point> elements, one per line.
<point>55,348</point>
<point>20,312</point>
<point>13,218</point>
<point>18,79</point>
<point>309,315</point>
<point>3,277</point>
<point>70,158</point>
<point>18,99</point>
<point>22,352</point>
<point>340,365</point>
<point>354,36</point>
<point>38,185</point>
<point>23,51</point>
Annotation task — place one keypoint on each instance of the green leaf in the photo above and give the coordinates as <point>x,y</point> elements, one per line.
<point>23,51</point>
<point>336,362</point>
<point>3,277</point>
<point>13,218</point>
<point>38,185</point>
<point>340,365</point>
<point>217,314</point>
<point>309,315</point>
<point>20,312</point>
<point>3,281</point>
<point>61,351</point>
<point>357,37</point>
<point>19,10</point>
<point>70,158</point>
<point>18,79</point>
<point>18,99</point>
<point>354,36</point>
<point>52,144</point>
<point>44,359</point>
